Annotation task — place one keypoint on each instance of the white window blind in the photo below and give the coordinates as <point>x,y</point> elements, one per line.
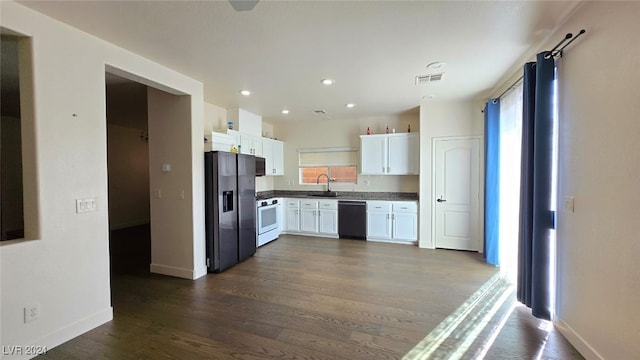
<point>328,157</point>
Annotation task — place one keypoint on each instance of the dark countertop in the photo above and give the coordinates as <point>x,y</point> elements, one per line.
<point>342,195</point>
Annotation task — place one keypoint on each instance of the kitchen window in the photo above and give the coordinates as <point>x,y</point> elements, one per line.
<point>337,163</point>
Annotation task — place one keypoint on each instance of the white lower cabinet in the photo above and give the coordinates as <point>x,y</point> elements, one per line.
<point>392,221</point>
<point>292,215</point>
<point>405,221</point>
<point>309,216</point>
<point>312,217</point>
<point>378,219</point>
<point>328,217</point>
<point>387,221</point>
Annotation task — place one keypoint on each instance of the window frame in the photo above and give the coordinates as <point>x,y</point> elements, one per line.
<point>327,150</point>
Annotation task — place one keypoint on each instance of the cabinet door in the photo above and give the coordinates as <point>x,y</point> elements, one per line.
<point>256,145</point>
<point>221,142</point>
<point>273,152</point>
<point>292,222</point>
<point>246,144</point>
<point>267,153</point>
<point>250,145</point>
<point>309,220</point>
<point>379,225</point>
<point>235,136</point>
<point>405,226</point>
<point>328,222</point>
<point>373,155</point>
<point>281,218</point>
<point>278,158</point>
<point>403,155</point>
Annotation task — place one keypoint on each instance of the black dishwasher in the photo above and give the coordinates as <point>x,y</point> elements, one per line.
<point>352,219</point>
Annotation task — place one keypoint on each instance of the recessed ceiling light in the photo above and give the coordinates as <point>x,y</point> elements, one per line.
<point>350,105</point>
<point>327,81</point>
<point>436,65</point>
<point>285,111</point>
<point>245,92</point>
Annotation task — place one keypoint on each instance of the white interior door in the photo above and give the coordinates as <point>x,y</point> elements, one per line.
<point>456,194</point>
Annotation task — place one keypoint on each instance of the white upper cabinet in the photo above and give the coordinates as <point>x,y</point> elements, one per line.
<point>245,122</point>
<point>220,142</point>
<point>373,154</point>
<point>273,153</point>
<point>390,154</point>
<point>249,144</point>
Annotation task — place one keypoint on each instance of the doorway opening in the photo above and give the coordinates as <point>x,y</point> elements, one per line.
<point>128,176</point>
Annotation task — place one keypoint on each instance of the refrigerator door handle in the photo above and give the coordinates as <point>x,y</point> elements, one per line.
<point>227,201</point>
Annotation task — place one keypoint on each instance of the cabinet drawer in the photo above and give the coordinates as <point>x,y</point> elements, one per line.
<point>290,203</point>
<point>379,206</point>
<point>308,204</point>
<point>328,204</point>
<point>405,207</point>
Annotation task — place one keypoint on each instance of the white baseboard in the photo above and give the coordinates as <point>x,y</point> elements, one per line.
<point>393,241</point>
<point>200,272</point>
<point>69,332</point>
<point>576,340</point>
<point>173,271</point>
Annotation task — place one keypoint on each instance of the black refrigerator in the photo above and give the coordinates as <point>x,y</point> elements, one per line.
<point>230,209</point>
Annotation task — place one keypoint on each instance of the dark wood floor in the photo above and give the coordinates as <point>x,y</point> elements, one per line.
<point>297,298</point>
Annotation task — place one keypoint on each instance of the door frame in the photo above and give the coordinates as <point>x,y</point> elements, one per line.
<point>480,227</point>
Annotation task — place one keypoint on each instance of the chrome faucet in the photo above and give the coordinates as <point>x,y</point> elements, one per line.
<point>318,181</point>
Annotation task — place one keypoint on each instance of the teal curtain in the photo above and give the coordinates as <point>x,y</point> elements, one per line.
<point>492,181</point>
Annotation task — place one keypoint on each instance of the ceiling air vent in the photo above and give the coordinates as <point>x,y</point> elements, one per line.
<point>425,79</point>
<point>319,112</point>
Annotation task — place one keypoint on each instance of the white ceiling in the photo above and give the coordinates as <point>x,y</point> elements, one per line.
<point>281,50</point>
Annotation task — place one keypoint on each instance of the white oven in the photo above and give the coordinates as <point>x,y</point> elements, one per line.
<point>267,219</point>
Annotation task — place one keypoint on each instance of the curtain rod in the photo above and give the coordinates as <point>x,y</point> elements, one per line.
<point>555,51</point>
<point>510,87</point>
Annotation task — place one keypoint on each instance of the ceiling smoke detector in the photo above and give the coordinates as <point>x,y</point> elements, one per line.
<point>425,79</point>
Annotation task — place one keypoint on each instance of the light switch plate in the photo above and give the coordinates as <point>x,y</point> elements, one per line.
<point>86,205</point>
<point>569,204</point>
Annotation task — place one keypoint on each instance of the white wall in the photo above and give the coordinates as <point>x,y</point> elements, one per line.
<point>215,118</point>
<point>599,143</point>
<point>444,119</point>
<point>171,241</point>
<point>65,269</point>
<point>340,133</point>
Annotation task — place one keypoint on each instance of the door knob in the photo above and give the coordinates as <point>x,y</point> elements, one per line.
<point>441,200</point>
